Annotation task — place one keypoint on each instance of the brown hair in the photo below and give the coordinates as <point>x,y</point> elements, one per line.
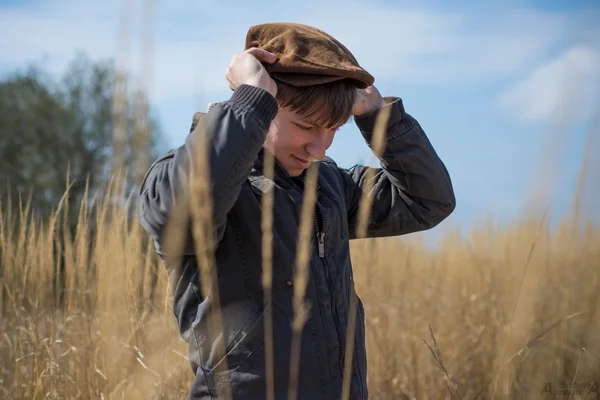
<point>328,105</point>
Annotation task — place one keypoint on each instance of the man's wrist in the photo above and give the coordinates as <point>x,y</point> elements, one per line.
<point>259,84</point>
<point>382,103</point>
<point>366,122</point>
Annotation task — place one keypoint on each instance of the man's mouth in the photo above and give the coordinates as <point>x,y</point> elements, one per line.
<point>301,161</point>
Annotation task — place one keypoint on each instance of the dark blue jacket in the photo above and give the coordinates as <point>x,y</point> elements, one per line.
<point>413,193</point>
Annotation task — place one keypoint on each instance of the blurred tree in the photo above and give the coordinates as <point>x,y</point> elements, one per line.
<point>82,126</point>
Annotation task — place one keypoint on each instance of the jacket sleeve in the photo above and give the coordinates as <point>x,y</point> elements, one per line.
<point>235,131</point>
<point>412,189</point>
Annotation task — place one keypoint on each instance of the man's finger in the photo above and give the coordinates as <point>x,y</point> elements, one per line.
<point>262,55</point>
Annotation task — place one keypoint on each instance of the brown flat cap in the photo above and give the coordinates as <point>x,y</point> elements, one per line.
<point>307,55</point>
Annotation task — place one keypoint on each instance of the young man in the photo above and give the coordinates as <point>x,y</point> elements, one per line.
<point>294,85</point>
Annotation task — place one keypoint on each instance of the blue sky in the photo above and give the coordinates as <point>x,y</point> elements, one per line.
<point>504,91</point>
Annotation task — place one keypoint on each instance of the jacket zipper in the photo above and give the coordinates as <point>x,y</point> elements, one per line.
<point>320,234</point>
<point>320,229</point>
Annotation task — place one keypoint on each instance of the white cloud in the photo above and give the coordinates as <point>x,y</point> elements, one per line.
<point>195,40</point>
<point>420,46</point>
<point>563,90</point>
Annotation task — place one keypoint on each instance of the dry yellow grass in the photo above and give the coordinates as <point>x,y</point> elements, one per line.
<point>488,300</point>
<point>499,314</point>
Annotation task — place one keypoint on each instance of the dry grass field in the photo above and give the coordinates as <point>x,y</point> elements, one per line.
<point>499,313</point>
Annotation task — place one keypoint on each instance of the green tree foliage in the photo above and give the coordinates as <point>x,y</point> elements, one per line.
<point>81,127</point>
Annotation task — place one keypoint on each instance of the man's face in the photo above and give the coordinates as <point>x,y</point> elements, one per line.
<point>296,141</point>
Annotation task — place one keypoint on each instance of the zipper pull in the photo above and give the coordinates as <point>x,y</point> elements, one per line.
<point>321,239</point>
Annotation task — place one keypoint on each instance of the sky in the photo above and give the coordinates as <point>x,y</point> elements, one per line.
<point>506,92</point>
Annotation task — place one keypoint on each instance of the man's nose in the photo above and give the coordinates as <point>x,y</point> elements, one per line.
<point>316,149</point>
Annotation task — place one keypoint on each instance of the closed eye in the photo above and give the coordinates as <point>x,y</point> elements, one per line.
<point>312,128</point>
<point>306,128</point>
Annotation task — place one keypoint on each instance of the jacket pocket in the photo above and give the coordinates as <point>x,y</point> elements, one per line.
<point>244,329</point>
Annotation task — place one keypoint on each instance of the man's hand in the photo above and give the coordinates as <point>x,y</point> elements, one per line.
<point>367,100</point>
<point>246,68</point>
